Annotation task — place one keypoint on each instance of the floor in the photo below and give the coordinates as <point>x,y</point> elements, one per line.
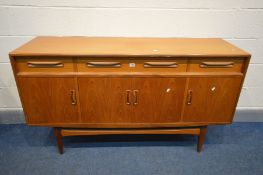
<point>230,149</point>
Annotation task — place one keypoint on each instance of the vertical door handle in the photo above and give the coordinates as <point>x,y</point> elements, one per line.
<point>189,97</point>
<point>135,95</point>
<point>73,97</point>
<point>128,101</point>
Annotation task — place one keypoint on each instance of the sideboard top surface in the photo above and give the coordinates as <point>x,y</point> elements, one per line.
<point>120,46</point>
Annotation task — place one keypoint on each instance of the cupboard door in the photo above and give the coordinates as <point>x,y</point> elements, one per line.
<point>105,100</point>
<point>49,100</point>
<point>211,99</point>
<point>158,100</point>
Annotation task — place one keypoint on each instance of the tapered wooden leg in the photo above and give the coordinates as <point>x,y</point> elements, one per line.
<point>201,139</point>
<point>59,140</point>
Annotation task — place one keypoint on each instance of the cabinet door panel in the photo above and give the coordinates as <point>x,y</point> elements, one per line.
<point>212,99</point>
<point>103,100</point>
<point>159,100</point>
<point>49,100</point>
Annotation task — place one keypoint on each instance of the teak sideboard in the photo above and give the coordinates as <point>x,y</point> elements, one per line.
<point>99,85</point>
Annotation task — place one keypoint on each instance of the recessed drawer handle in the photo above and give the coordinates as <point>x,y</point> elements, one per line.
<point>44,64</point>
<point>216,64</point>
<point>103,64</point>
<point>160,64</point>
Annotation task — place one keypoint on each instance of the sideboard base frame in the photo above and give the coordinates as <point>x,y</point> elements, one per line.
<point>62,132</point>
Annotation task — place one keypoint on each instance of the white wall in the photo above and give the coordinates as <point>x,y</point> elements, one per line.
<point>238,21</point>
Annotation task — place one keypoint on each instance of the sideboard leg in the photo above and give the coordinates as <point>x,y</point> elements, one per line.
<point>201,138</point>
<point>59,140</point>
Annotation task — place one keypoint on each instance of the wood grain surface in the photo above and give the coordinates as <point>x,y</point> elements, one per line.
<point>126,96</point>
<point>213,99</point>
<point>48,100</point>
<point>159,100</point>
<point>103,100</point>
<point>110,46</point>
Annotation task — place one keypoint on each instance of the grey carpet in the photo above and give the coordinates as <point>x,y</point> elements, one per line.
<point>230,149</point>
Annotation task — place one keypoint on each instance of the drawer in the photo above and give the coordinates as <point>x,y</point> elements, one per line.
<point>44,64</point>
<point>136,65</point>
<point>215,65</point>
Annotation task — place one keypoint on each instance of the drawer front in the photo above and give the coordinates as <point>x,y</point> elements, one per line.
<point>215,65</point>
<point>139,65</point>
<point>44,64</point>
